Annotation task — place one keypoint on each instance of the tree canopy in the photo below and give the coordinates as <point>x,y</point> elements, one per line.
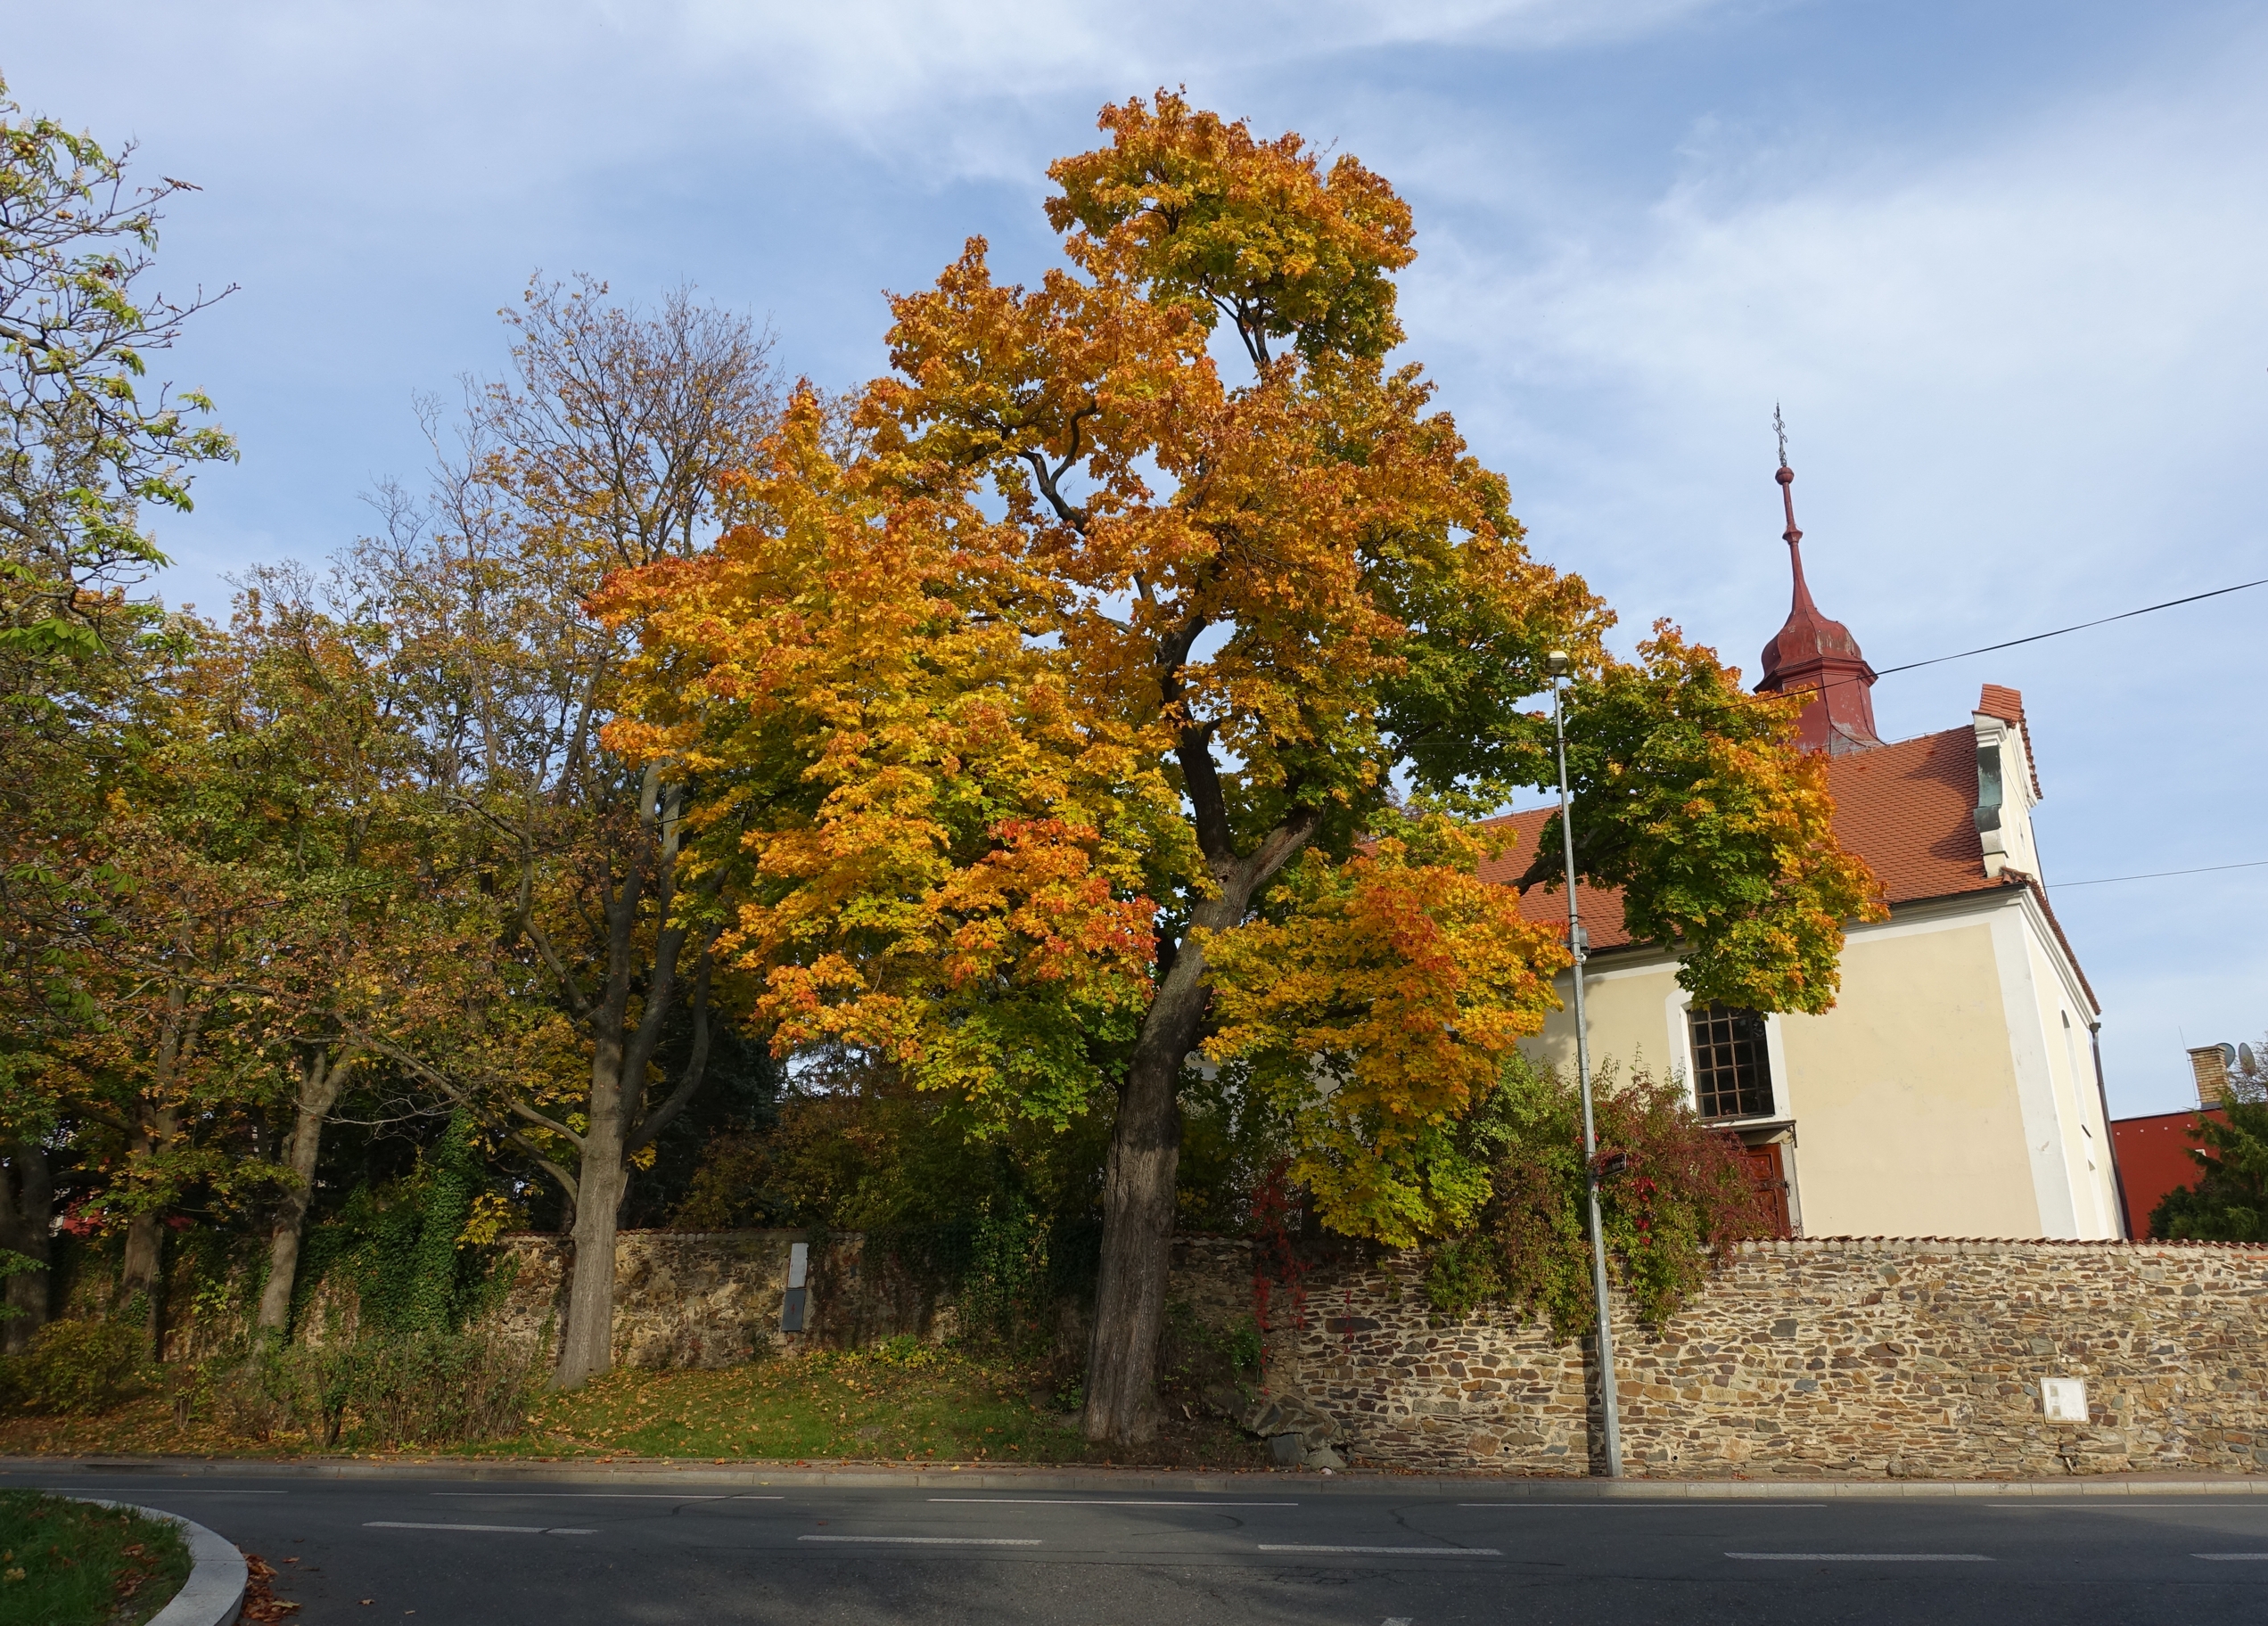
<point>1054,775</point>
<point>1095,635</point>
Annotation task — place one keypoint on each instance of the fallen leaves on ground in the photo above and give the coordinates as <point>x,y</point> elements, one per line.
<point>260,1603</point>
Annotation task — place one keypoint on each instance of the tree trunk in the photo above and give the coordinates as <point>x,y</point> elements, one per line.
<point>320,1080</point>
<point>26,1227</point>
<point>620,1062</point>
<point>586,1344</point>
<point>1146,1140</point>
<point>142,1273</point>
<point>139,1277</point>
<point>1138,1199</point>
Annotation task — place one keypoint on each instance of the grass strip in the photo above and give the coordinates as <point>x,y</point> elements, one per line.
<point>897,1403</point>
<point>64,1562</point>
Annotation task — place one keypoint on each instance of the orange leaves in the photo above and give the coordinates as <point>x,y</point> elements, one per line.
<point>1036,907</point>
<point>1374,1014</point>
<point>920,830</point>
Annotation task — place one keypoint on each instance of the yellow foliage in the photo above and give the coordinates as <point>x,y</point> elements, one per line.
<point>1373,1013</point>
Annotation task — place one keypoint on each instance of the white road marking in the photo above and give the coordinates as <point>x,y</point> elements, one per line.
<point>2112,1504</point>
<point>1421,1552</point>
<point>1713,1503</point>
<point>610,1496</point>
<point>2230,1557</point>
<point>515,1530</point>
<point>1866,1557</point>
<point>1082,1502</point>
<point>934,1540</point>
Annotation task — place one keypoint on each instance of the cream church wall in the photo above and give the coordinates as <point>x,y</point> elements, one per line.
<point>1938,1098</point>
<point>1908,1117</point>
<point>2055,1004</point>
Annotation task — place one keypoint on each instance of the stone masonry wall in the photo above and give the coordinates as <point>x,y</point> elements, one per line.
<point>713,1297</point>
<point>681,1298</point>
<point>1909,1358</point>
<point>1809,1359</point>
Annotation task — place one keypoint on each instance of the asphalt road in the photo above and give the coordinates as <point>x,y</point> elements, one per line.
<point>560,1554</point>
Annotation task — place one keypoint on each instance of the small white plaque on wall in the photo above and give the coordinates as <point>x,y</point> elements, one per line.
<point>2063,1398</point>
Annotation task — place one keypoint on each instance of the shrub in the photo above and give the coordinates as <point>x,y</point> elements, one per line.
<point>1684,1198</point>
<point>1003,1292</point>
<point>76,1366</point>
<point>412,1389</point>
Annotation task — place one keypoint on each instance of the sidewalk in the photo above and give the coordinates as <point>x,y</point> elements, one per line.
<point>991,1477</point>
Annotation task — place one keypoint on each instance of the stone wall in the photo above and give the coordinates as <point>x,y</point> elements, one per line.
<point>713,1297</point>
<point>1912,1359</point>
<point>681,1298</point>
<point>1909,1358</point>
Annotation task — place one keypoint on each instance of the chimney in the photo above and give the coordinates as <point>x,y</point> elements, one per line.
<point>2209,1065</point>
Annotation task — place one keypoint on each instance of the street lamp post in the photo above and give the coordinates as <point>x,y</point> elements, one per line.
<point>1578,942</point>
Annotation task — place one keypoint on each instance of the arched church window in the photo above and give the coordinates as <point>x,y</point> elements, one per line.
<point>1732,1067</point>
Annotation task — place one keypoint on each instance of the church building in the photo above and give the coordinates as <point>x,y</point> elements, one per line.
<point>1954,1089</point>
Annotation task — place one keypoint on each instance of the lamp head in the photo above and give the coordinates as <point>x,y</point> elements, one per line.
<point>1555,663</point>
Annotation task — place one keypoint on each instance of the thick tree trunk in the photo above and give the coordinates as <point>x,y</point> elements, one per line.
<point>320,1080</point>
<point>1138,1200</point>
<point>26,1227</point>
<point>587,1343</point>
<point>1146,1141</point>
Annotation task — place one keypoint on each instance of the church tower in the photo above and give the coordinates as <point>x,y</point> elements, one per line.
<point>1812,653</point>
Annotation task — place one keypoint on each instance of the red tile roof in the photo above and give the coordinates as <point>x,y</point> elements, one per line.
<point>1906,808</point>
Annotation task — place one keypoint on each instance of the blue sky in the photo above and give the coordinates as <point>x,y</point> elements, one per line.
<point>2002,263</point>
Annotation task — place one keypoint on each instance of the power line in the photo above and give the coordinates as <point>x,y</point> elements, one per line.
<point>2159,875</point>
<point>2082,627</point>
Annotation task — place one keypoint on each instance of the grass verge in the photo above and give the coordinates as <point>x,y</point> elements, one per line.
<point>70,1564</point>
<point>899,1403</point>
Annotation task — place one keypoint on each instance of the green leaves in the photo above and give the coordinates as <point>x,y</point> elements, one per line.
<point>1683,1200</point>
<point>81,447</point>
<point>2229,1200</point>
<point>1691,797</point>
<point>1229,226</point>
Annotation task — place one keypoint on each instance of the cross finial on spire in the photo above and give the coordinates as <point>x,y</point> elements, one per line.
<point>1787,478</point>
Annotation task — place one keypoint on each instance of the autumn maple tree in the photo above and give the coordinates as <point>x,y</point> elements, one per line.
<point>1128,684</point>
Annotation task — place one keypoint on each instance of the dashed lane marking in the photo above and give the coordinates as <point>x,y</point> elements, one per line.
<point>1406,1552</point>
<point>615,1496</point>
<point>1082,1502</point>
<point>1864,1557</point>
<point>513,1529</point>
<point>2231,1558</point>
<point>933,1540</point>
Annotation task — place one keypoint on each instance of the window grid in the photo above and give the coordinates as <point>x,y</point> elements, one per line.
<point>1732,1069</point>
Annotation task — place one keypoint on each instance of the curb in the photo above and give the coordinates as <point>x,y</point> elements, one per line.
<point>1308,1483</point>
<point>213,1593</point>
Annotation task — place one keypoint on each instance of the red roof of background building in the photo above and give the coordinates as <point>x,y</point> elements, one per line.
<point>1907,809</point>
<point>2153,1157</point>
